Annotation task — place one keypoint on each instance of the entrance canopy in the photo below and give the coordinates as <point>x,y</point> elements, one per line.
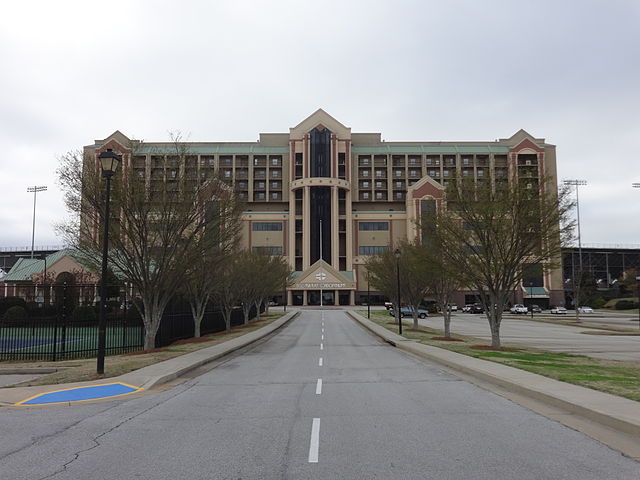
<point>322,276</point>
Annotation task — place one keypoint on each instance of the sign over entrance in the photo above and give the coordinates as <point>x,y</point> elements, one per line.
<point>322,276</point>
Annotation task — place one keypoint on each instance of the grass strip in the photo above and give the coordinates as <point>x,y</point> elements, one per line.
<point>615,377</point>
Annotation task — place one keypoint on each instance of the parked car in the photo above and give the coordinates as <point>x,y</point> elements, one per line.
<point>476,308</point>
<point>452,307</point>
<point>585,309</point>
<point>559,310</point>
<point>467,308</point>
<point>388,305</point>
<point>518,308</point>
<point>407,312</point>
<point>535,308</point>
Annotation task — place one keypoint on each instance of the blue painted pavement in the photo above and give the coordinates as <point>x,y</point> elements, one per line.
<point>91,392</point>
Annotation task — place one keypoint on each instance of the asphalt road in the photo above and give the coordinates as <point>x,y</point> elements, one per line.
<point>555,338</point>
<point>305,404</point>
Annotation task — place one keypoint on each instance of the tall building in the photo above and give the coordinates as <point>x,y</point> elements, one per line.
<point>325,197</point>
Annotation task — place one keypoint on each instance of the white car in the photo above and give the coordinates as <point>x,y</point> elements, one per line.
<point>518,308</point>
<point>585,309</point>
<point>559,310</point>
<point>453,307</point>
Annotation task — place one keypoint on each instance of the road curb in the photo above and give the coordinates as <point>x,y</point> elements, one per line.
<point>609,410</point>
<point>163,372</point>
<point>159,373</point>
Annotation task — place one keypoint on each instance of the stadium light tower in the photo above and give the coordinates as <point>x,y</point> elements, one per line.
<point>576,288</point>
<point>35,190</point>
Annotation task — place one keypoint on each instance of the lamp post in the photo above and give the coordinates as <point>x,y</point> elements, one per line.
<point>576,289</point>
<point>108,163</point>
<point>368,297</point>
<point>531,297</point>
<point>638,287</point>
<point>637,185</point>
<point>397,254</point>
<point>35,191</point>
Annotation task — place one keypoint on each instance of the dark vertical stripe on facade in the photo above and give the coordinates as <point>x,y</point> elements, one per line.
<point>320,153</point>
<point>321,210</point>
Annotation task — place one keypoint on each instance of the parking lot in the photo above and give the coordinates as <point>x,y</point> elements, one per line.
<point>518,329</point>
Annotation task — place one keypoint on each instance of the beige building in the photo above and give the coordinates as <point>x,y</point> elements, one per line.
<point>326,197</point>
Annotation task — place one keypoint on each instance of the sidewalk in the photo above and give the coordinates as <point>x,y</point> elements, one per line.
<point>156,374</point>
<point>616,413</point>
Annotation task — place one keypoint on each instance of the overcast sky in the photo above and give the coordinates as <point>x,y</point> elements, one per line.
<point>568,71</point>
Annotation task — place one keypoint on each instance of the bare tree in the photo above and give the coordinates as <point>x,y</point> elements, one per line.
<point>154,228</point>
<point>276,277</point>
<point>226,288</point>
<point>383,277</point>
<point>489,235</point>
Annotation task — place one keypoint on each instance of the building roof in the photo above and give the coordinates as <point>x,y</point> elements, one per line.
<point>24,268</point>
<point>435,149</point>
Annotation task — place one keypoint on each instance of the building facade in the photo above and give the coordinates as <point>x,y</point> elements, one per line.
<point>326,197</point>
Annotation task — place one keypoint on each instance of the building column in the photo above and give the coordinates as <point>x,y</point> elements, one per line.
<point>306,228</point>
<point>335,241</point>
<point>352,297</point>
<point>304,298</point>
<point>336,297</point>
<point>289,297</point>
<point>292,230</point>
<point>349,229</point>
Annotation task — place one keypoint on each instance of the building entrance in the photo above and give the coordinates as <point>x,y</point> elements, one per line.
<point>313,297</point>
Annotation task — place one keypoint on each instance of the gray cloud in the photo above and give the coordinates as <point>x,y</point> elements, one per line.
<point>412,70</point>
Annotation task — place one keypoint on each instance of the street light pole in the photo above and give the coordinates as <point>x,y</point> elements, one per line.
<point>576,290</point>
<point>637,185</point>
<point>109,163</point>
<point>368,297</point>
<point>35,190</point>
<point>531,297</point>
<point>397,254</point>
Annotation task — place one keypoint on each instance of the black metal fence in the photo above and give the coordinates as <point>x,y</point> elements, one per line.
<point>61,323</point>
<point>177,322</point>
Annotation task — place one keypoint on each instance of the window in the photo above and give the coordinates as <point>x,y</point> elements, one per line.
<point>365,195</point>
<point>378,195</point>
<point>398,173</point>
<point>365,173</point>
<point>275,173</point>
<point>373,226</point>
<point>378,173</point>
<point>378,184</point>
<point>227,173</point>
<point>414,173</point>
<point>275,185</point>
<point>480,172</point>
<point>372,250</point>
<point>465,161</point>
<point>260,196</point>
<point>365,184</point>
<point>413,160</point>
<point>429,161</point>
<point>275,196</point>
<point>341,158</point>
<point>266,226</point>
<point>399,185</point>
<point>275,161</point>
<point>399,195</point>
<point>268,250</point>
